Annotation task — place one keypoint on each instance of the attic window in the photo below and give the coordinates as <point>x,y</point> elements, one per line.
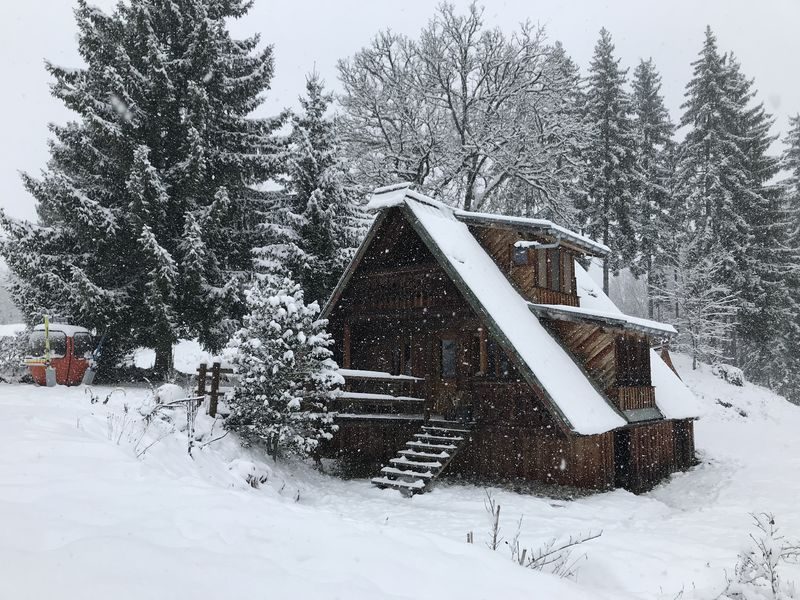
<point>519,256</point>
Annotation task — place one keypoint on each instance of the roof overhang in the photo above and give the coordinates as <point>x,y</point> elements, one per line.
<point>535,226</point>
<point>620,321</point>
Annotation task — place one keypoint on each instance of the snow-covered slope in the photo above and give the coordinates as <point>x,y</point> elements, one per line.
<point>83,517</point>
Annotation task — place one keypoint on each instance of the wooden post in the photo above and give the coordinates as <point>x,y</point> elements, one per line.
<point>215,374</point>
<point>201,381</point>
<point>346,346</point>
<point>484,344</point>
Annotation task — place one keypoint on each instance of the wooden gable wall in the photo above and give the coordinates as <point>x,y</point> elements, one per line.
<point>499,243</point>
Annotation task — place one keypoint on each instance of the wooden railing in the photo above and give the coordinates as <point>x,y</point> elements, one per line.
<point>632,398</point>
<point>378,393</point>
<point>541,295</point>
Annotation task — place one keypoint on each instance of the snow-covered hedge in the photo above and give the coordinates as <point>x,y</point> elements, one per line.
<point>12,352</point>
<point>729,373</point>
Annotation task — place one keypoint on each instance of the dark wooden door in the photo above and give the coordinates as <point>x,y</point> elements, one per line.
<point>622,458</point>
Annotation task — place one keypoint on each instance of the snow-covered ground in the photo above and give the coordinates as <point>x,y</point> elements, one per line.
<point>82,517</point>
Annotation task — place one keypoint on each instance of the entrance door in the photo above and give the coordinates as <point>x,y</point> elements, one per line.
<point>622,458</point>
<point>446,375</point>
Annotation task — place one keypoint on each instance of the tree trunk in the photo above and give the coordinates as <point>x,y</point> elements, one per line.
<point>163,364</point>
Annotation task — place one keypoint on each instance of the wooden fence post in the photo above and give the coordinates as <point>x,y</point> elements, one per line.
<point>201,381</point>
<point>214,392</point>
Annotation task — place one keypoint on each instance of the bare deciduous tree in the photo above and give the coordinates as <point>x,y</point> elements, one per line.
<point>466,113</point>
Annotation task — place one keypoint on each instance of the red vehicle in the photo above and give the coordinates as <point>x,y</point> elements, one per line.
<point>70,351</point>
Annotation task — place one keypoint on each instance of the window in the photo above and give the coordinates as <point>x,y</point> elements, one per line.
<point>554,270</point>
<point>407,359</point>
<point>541,271</point>
<point>519,256</point>
<point>84,346</point>
<point>633,361</point>
<point>58,344</point>
<point>449,349</point>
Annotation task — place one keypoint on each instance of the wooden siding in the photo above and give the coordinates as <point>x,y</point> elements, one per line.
<point>363,447</point>
<point>499,244</point>
<point>594,348</point>
<point>646,454</point>
<point>632,398</point>
<point>505,453</point>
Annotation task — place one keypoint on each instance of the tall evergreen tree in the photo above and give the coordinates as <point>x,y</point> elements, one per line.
<point>791,203</point>
<point>144,205</point>
<point>316,228</point>
<point>653,130</point>
<point>724,182</point>
<point>607,204</point>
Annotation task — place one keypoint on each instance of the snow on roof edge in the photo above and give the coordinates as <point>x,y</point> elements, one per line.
<point>396,194</point>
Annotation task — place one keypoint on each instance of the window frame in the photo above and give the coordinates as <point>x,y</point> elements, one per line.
<point>449,369</point>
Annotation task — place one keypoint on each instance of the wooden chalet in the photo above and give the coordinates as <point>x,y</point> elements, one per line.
<point>478,343</point>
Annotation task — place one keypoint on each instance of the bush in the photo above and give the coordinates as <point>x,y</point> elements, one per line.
<point>287,375</point>
<point>12,352</point>
<point>729,373</point>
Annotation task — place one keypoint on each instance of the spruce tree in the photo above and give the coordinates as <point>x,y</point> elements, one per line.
<point>288,376</point>
<point>317,225</point>
<point>724,181</point>
<point>610,179</point>
<point>791,204</point>
<point>145,205</point>
<point>653,130</point>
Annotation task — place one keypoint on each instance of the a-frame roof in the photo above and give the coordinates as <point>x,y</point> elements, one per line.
<point>572,396</point>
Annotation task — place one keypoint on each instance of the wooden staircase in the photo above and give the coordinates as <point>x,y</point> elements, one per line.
<point>425,457</point>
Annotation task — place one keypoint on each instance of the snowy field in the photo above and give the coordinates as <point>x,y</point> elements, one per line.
<point>84,517</point>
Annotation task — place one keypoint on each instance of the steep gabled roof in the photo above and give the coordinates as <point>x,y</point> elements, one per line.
<point>394,195</point>
<point>572,396</point>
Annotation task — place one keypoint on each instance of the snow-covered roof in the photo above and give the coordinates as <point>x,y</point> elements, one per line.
<point>492,295</point>
<point>673,398</point>
<point>611,318</point>
<point>69,330</point>
<point>396,195</point>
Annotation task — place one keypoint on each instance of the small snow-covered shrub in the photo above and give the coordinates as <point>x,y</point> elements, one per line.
<point>169,392</point>
<point>729,373</point>
<point>287,375</point>
<point>12,353</point>
<point>254,473</point>
<point>758,572</point>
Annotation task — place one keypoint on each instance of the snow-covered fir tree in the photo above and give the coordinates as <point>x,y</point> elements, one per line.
<point>288,376</point>
<point>145,205</point>
<point>316,227</point>
<point>723,183</point>
<point>653,130</point>
<point>610,176</point>
<point>791,202</point>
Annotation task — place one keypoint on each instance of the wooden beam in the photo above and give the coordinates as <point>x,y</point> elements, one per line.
<point>346,345</point>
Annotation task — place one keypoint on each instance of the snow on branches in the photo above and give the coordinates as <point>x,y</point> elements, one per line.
<point>288,377</point>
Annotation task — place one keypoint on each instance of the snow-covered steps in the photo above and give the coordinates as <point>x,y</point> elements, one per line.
<point>407,473</point>
<point>429,446</point>
<point>407,487</point>
<point>427,437</point>
<point>417,454</point>
<point>424,458</point>
<point>404,462</point>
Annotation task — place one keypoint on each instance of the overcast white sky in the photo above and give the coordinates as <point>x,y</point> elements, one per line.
<point>308,33</point>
